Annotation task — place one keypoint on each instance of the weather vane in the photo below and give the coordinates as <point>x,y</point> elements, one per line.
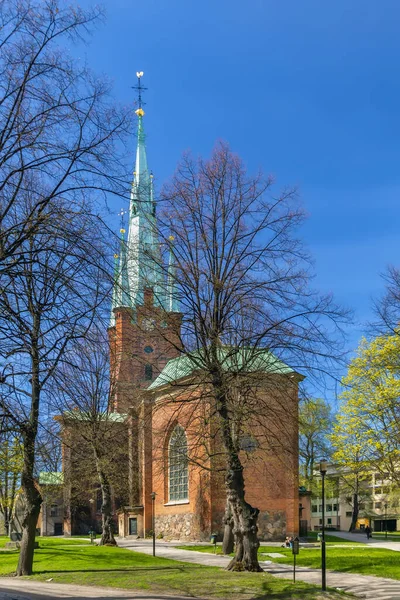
<point>122,214</point>
<point>140,89</point>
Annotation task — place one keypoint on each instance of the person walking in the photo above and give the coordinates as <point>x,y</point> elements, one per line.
<point>368,531</point>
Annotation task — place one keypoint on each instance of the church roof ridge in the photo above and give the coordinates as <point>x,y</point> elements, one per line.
<point>233,359</point>
<point>51,478</point>
<point>83,415</point>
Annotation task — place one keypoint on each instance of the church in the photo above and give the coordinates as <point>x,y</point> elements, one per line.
<point>175,473</point>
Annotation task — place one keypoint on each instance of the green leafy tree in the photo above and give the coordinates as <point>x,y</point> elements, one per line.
<point>371,403</point>
<point>315,423</point>
<point>10,475</point>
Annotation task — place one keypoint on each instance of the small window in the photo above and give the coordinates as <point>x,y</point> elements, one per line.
<point>314,508</point>
<point>54,510</point>
<point>349,513</point>
<point>335,507</point>
<point>148,372</point>
<point>329,508</point>
<point>320,521</point>
<point>320,508</point>
<point>378,504</point>
<point>329,521</point>
<point>148,349</point>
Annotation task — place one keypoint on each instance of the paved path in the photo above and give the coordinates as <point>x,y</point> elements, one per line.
<point>362,586</point>
<point>23,589</point>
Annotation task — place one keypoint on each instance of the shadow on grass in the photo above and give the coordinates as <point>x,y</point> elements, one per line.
<point>43,594</point>
<point>180,568</point>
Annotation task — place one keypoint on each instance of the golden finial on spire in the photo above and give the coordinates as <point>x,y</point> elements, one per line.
<point>171,238</point>
<point>122,230</point>
<point>140,112</point>
<point>116,255</point>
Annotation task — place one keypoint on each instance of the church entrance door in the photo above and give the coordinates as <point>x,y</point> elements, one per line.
<point>132,526</point>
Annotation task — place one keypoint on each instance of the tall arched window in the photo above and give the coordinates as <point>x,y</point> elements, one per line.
<point>148,372</point>
<point>178,465</point>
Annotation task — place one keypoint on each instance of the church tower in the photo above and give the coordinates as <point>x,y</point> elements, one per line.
<point>145,322</point>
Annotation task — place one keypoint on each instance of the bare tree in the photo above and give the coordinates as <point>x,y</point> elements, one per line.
<point>95,439</point>
<point>57,124</point>
<point>242,278</point>
<point>59,140</point>
<point>48,303</point>
<point>387,308</point>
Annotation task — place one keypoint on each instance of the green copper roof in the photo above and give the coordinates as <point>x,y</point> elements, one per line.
<point>51,478</point>
<point>240,360</point>
<point>81,415</point>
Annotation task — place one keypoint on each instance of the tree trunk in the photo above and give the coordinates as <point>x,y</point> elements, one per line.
<point>33,501</point>
<point>354,515</point>
<point>107,536</point>
<point>228,541</point>
<point>244,516</point>
<point>245,532</point>
<point>31,494</point>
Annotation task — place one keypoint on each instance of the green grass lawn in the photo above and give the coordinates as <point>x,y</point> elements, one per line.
<point>354,558</point>
<point>49,541</point>
<point>334,539</point>
<point>351,559</point>
<point>73,561</point>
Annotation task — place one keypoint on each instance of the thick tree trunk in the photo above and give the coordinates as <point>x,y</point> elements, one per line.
<point>228,541</point>
<point>33,501</point>
<point>107,536</point>
<point>245,527</point>
<point>244,516</point>
<point>31,494</point>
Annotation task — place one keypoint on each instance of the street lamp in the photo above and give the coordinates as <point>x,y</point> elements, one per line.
<point>153,519</point>
<point>323,467</point>
<point>386,520</point>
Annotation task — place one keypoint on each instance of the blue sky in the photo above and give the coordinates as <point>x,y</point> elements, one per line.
<point>306,89</point>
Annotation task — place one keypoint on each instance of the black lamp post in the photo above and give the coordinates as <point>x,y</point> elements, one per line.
<point>323,467</point>
<point>386,520</point>
<point>153,520</point>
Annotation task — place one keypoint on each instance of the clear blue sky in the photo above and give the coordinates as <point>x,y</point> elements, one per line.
<point>307,89</point>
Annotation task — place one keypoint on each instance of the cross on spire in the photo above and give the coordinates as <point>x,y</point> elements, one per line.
<point>122,214</point>
<point>139,88</point>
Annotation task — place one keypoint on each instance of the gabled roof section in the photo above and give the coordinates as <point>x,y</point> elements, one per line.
<point>240,360</point>
<point>51,478</point>
<point>80,415</point>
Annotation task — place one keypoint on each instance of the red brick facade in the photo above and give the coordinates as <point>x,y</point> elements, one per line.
<point>271,469</point>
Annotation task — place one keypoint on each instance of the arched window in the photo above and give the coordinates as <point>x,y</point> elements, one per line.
<point>148,372</point>
<point>178,465</point>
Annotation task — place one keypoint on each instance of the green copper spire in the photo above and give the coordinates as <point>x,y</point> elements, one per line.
<point>144,256</point>
<point>172,296</point>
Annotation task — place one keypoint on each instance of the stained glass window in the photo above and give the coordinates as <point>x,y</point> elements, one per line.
<point>178,465</point>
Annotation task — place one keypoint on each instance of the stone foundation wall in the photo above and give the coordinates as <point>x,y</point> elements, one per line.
<point>177,527</point>
<point>272,525</point>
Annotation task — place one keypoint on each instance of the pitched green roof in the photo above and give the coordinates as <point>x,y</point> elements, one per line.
<point>51,478</point>
<point>244,360</point>
<point>81,415</point>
